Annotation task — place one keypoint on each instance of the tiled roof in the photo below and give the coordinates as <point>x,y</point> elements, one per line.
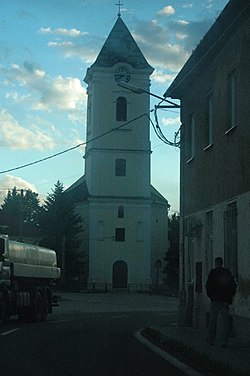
<point>120,46</point>
<point>78,191</point>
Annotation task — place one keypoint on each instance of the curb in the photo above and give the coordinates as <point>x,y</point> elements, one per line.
<point>169,358</point>
<point>204,363</point>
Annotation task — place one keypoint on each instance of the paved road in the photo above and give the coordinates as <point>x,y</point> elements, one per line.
<point>90,335</point>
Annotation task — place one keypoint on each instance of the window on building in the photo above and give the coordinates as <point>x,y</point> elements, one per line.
<point>2,246</point>
<point>121,109</point>
<point>209,257</point>
<point>120,234</point>
<point>190,137</point>
<point>209,121</point>
<point>89,115</point>
<point>190,259</point>
<point>139,232</point>
<point>100,230</point>
<point>120,167</point>
<point>232,100</point>
<point>230,238</point>
<point>121,212</point>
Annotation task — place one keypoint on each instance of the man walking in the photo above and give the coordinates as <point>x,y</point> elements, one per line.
<point>221,288</point>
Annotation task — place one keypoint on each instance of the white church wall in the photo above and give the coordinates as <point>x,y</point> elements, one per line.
<point>102,176</point>
<point>159,228</point>
<point>105,250</point>
<point>119,246</point>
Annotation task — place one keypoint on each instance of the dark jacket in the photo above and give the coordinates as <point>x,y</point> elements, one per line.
<point>221,286</point>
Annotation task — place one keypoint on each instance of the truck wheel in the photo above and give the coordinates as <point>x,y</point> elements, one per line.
<point>45,309</point>
<point>37,308</point>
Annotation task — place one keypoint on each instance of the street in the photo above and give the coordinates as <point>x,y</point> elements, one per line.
<point>88,334</point>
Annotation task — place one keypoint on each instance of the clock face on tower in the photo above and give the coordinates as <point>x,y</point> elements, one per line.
<point>122,74</point>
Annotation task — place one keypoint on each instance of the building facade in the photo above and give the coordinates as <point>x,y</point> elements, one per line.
<point>214,89</point>
<point>125,218</point>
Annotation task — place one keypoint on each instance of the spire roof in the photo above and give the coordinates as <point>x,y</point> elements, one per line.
<point>120,46</point>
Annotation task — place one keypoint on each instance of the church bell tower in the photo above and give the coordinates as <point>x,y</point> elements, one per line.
<point>117,164</point>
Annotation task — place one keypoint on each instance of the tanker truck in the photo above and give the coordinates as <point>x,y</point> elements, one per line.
<point>27,274</point>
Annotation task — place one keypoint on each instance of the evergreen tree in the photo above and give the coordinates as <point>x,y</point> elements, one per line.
<point>60,226</point>
<point>30,203</point>
<point>20,206</point>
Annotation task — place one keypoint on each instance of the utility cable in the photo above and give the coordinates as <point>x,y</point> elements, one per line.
<point>73,147</point>
<point>156,128</point>
<point>159,133</point>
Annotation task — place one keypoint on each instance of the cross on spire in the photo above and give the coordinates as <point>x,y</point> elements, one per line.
<point>119,8</point>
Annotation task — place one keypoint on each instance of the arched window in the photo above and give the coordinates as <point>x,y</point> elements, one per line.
<point>121,109</point>
<point>121,212</point>
<point>100,230</point>
<point>120,167</point>
<point>139,232</point>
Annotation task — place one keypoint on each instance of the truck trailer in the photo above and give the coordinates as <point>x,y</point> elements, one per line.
<point>27,275</point>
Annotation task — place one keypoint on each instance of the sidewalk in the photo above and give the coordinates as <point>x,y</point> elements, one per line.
<point>189,345</point>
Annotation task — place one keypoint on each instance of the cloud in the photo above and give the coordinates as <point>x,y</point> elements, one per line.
<point>8,182</point>
<point>44,92</point>
<point>167,11</point>
<point>82,44</point>
<point>209,4</point>
<point>161,77</point>
<point>171,122</point>
<point>17,97</point>
<point>78,141</point>
<point>166,44</point>
<point>14,136</point>
<point>85,50</point>
<point>188,5</point>
<point>65,93</point>
<point>73,33</point>
<point>154,42</point>
<point>190,33</point>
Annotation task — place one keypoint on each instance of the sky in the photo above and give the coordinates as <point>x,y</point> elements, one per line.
<point>46,47</point>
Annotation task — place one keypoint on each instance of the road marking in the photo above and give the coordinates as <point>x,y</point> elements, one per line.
<point>169,358</point>
<point>9,332</point>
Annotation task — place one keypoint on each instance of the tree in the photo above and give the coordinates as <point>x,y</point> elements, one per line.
<point>20,210</point>
<point>172,256</point>
<point>60,226</point>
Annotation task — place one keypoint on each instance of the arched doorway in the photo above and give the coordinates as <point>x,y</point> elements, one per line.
<point>120,275</point>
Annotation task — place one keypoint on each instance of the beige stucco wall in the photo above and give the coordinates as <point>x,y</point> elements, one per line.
<point>241,303</point>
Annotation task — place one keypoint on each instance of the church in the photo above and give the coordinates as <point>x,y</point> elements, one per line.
<point>125,234</point>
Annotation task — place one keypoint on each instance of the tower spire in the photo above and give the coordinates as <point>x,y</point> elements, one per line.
<point>119,8</point>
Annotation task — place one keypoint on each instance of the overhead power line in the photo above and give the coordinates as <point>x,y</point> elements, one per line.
<point>73,147</point>
<point>156,128</point>
<point>159,133</point>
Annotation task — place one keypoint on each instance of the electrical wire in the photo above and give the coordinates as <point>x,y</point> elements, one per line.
<point>159,133</point>
<point>156,128</point>
<point>79,174</point>
<point>73,147</point>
